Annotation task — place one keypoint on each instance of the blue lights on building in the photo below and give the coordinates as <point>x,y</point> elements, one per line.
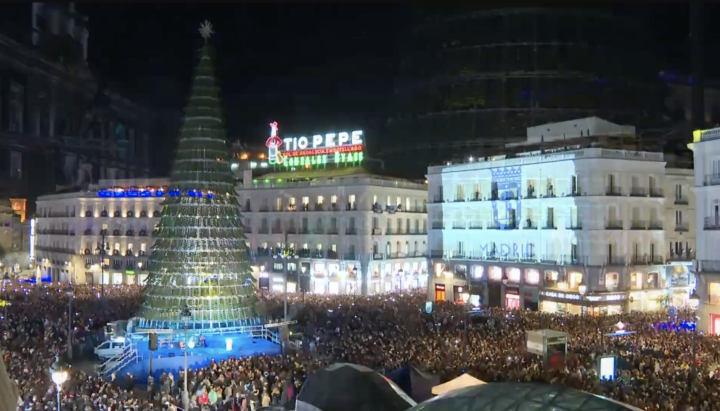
<point>148,193</point>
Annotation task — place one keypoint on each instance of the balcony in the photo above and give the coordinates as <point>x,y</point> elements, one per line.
<point>264,230</point>
<point>712,223</point>
<point>655,225</point>
<point>417,231</point>
<point>682,227</point>
<point>638,192</point>
<point>319,230</point>
<point>305,207</point>
<point>333,231</point>
<point>459,199</point>
<point>318,207</point>
<point>638,225</point>
<point>378,256</point>
<point>394,231</point>
<point>436,253</point>
<point>613,191</point>
<point>438,226</point>
<point>292,230</point>
<point>262,252</point>
<point>458,226</point>
<point>656,192</point>
<point>682,256</point>
<point>264,209</point>
<point>575,192</point>
<point>351,207</point>
<point>530,225</point>
<point>493,226</point>
<point>55,232</point>
<point>55,249</point>
<point>530,193</point>
<point>614,225</point>
<point>350,231</point>
<point>647,260</point>
<point>549,225</point>
<point>712,180</point>
<point>574,226</point>
<point>681,201</point>
<point>334,207</point>
<point>615,260</point>
<point>437,199</point>
<point>397,254</point>
<point>475,197</point>
<point>304,230</point>
<point>391,209</point>
<point>349,256</point>
<point>277,230</point>
<point>475,226</point>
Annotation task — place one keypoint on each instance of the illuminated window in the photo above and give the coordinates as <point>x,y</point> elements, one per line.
<point>319,247</point>
<point>333,200</point>
<point>575,279</point>
<point>495,273</point>
<point>306,200</point>
<point>320,200</point>
<point>611,280</point>
<point>532,276</point>
<point>398,201</point>
<point>374,199</point>
<point>478,271</point>
<point>513,275</point>
<point>333,248</point>
<point>351,199</point>
<point>636,280</point>
<point>291,200</point>
<point>714,293</point>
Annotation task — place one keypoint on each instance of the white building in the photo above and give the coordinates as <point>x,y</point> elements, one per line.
<point>353,232</point>
<point>70,230</point>
<point>534,230</point>
<point>706,150</point>
<point>679,234</point>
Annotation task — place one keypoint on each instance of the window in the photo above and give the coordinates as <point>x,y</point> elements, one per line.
<point>678,218</point>
<point>351,199</point>
<point>495,273</point>
<point>513,275</point>
<point>575,279</point>
<point>333,200</point>
<point>611,280</point>
<point>16,165</point>
<point>532,276</point>
<point>714,293</point>
<point>16,108</point>
<point>678,191</point>
<point>320,199</point>
<point>477,272</point>
<point>306,200</point>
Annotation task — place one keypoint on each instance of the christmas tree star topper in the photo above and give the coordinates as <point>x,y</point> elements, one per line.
<point>206,30</point>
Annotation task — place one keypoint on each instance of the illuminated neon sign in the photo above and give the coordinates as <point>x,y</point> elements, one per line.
<point>316,148</point>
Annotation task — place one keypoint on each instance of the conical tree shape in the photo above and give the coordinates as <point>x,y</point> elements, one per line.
<point>200,258</point>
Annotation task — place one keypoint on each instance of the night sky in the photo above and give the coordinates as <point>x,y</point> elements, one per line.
<point>311,67</point>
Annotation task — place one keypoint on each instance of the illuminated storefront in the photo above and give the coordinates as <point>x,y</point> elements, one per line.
<point>573,303</point>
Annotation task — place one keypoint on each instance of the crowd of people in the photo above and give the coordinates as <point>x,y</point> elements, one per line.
<point>383,332</point>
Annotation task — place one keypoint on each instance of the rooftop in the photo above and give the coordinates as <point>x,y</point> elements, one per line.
<point>328,177</point>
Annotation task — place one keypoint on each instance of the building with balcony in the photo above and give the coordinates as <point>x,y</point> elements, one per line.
<point>349,231</point>
<point>564,229</point>
<point>99,236</point>
<point>706,152</point>
<point>679,234</point>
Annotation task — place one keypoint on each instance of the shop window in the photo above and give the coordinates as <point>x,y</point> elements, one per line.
<point>714,293</point>
<point>636,281</point>
<point>532,276</point>
<point>575,279</point>
<point>551,278</point>
<point>653,280</point>
<point>513,275</point>
<point>478,272</point>
<point>460,269</point>
<point>611,280</point>
<point>495,273</point>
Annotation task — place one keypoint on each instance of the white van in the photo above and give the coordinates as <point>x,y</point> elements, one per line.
<point>109,349</point>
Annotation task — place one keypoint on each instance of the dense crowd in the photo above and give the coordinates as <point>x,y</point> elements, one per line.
<point>383,332</point>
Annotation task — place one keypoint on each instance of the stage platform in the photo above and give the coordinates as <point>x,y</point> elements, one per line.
<point>170,359</point>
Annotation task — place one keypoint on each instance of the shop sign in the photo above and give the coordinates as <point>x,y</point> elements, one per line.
<point>616,297</point>
<point>565,296</point>
<point>130,272</point>
<point>439,287</point>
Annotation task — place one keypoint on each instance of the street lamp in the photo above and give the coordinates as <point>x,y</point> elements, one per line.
<point>70,291</point>
<point>59,374</point>
<point>694,302</point>
<point>582,289</point>
<point>186,315</point>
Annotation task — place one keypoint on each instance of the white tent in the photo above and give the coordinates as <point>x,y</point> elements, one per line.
<point>465,380</point>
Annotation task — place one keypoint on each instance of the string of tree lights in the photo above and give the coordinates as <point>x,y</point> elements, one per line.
<point>200,259</point>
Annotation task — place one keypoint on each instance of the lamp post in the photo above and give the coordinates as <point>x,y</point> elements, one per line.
<point>70,291</point>
<point>186,315</point>
<point>59,374</point>
<point>694,302</point>
<point>582,289</point>
<point>5,282</point>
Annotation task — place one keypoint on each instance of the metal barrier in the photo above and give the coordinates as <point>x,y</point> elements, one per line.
<point>129,354</point>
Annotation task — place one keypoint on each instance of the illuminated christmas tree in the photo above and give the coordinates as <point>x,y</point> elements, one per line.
<point>200,258</point>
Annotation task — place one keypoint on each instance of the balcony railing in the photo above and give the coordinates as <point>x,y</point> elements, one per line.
<point>638,192</point>
<point>549,225</point>
<point>682,227</point>
<point>712,180</point>
<point>530,225</point>
<point>613,191</point>
<point>683,256</point>
<point>656,192</point>
<point>437,199</point>
<point>277,230</point>
<point>574,226</point>
<point>655,225</point>
<point>638,225</point>
<point>351,231</point>
<point>319,230</point>
<point>264,209</point>
<point>264,230</point>
<point>55,249</point>
<point>458,226</point>
<point>647,260</point>
<point>438,226</point>
<point>681,201</point>
<point>417,231</point>
<point>712,223</point>
<point>615,260</point>
<point>475,226</point>
<point>614,225</point>
<point>332,231</point>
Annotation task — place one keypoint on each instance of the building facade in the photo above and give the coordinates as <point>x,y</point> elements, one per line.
<point>350,232</point>
<point>680,229</point>
<point>72,229</point>
<point>577,229</point>
<point>60,129</point>
<point>706,151</point>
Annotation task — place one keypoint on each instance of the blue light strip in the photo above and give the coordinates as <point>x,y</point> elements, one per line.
<point>107,193</point>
